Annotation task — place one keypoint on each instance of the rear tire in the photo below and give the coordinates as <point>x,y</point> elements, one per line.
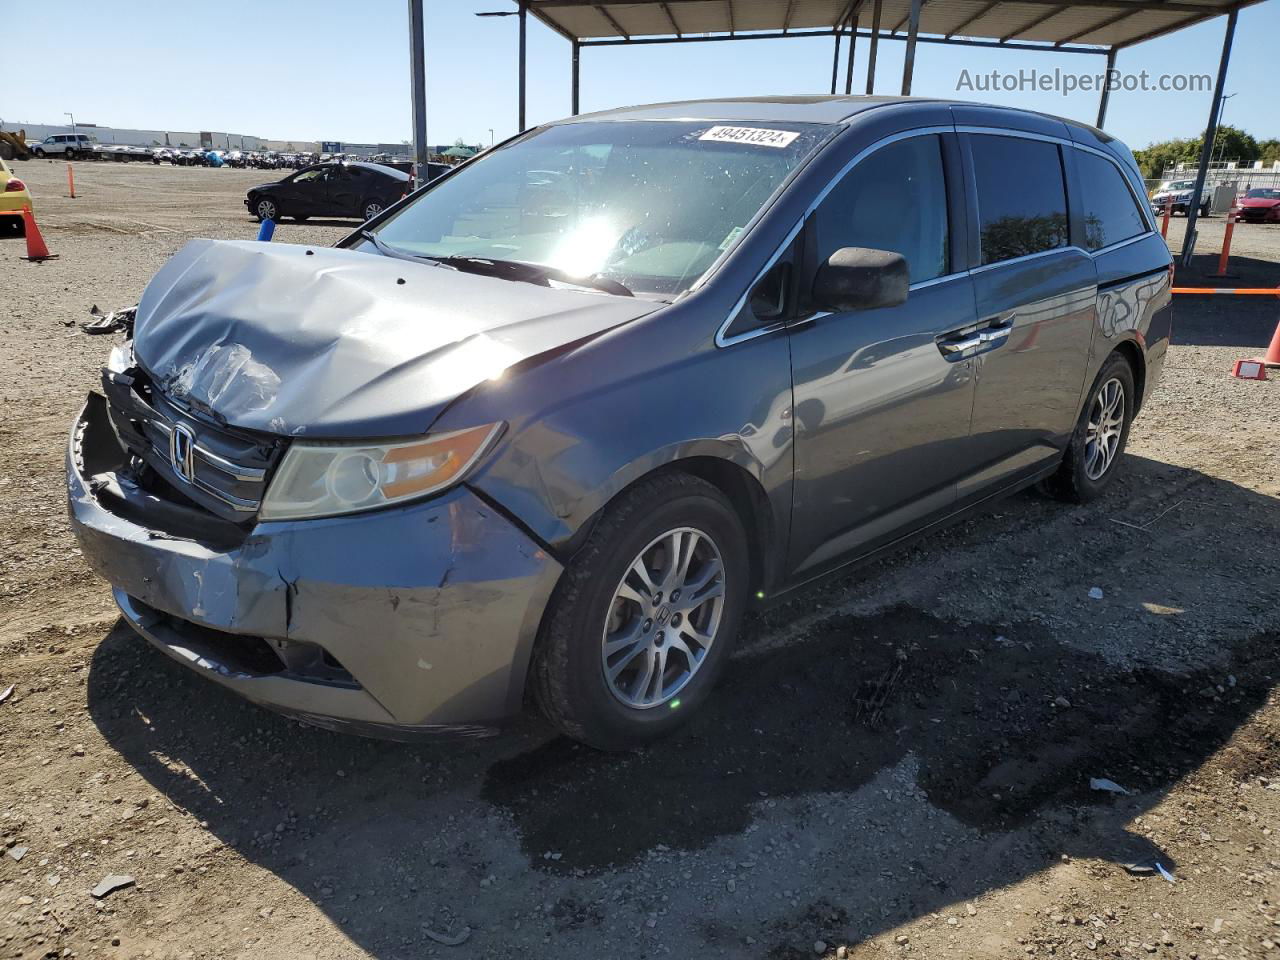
<point>264,208</point>
<point>1092,458</point>
<point>371,208</point>
<point>619,664</point>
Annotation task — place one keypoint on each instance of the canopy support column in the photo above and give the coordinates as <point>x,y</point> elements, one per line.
<point>1210,134</point>
<point>523,15</point>
<point>577,50</point>
<point>909,65</point>
<point>835,62</point>
<point>875,42</point>
<point>853,47</point>
<point>1106,89</point>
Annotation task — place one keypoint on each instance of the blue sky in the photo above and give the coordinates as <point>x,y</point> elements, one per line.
<point>338,70</point>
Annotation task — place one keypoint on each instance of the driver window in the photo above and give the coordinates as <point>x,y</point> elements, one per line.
<point>895,199</point>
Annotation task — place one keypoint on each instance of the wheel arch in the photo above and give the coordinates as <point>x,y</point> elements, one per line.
<point>747,496</point>
<point>743,489</point>
<point>1132,353</point>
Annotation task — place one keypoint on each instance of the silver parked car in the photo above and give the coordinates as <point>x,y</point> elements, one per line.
<point>552,424</point>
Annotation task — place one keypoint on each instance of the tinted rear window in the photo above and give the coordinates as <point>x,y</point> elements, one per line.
<point>1110,212</point>
<point>1022,198</point>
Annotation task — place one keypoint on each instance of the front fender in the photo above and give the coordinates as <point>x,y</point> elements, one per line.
<point>577,438</point>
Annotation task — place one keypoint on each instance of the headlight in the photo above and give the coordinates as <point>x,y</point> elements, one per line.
<point>322,480</point>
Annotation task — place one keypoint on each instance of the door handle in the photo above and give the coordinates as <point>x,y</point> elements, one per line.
<point>954,347</point>
<point>994,332</point>
<point>997,330</point>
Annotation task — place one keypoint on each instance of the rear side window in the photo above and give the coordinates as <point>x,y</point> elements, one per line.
<point>1022,198</point>
<point>895,199</point>
<point>1110,212</point>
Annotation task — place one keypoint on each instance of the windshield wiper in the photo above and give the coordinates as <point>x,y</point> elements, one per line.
<point>387,250</point>
<point>532,273</point>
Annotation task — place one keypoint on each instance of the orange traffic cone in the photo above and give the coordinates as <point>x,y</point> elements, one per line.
<point>36,248</point>
<point>1272,359</point>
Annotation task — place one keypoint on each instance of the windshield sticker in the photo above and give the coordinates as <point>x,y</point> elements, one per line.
<point>754,136</point>
<point>732,236</point>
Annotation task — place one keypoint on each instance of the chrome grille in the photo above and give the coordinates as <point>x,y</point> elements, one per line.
<point>228,468</point>
<point>212,474</point>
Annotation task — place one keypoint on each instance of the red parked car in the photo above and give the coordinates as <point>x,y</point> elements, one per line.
<point>1260,205</point>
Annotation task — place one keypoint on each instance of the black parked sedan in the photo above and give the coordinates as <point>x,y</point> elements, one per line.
<point>329,190</point>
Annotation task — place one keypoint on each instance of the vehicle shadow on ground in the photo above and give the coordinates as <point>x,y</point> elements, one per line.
<point>1219,320</point>
<point>350,223</point>
<point>1005,724</point>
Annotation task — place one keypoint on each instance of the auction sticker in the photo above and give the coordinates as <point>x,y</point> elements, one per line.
<point>754,136</point>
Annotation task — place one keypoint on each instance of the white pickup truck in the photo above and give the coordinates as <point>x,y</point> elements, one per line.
<point>1178,193</point>
<point>69,145</point>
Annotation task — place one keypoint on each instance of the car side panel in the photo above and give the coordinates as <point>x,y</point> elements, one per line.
<point>343,193</point>
<point>577,436</point>
<point>1134,303</point>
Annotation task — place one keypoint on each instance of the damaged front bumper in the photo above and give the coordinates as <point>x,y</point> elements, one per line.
<point>413,620</point>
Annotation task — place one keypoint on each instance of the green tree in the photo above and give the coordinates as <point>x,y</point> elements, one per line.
<point>1230,143</point>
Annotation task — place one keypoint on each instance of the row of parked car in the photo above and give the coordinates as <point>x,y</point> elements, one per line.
<point>1254,205</point>
<point>81,147</point>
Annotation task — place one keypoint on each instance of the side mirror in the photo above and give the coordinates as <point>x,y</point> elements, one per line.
<point>859,278</point>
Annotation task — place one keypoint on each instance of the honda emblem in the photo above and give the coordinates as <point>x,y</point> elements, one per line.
<point>182,446</point>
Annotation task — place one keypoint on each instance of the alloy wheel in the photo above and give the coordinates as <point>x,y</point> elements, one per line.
<point>1102,433</point>
<point>663,618</point>
<point>266,210</point>
<point>371,210</point>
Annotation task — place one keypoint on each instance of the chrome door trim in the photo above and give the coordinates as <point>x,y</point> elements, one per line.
<point>721,340</point>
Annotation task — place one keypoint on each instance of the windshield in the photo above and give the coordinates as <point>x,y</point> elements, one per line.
<point>649,205</point>
<point>1180,185</point>
<point>1264,193</point>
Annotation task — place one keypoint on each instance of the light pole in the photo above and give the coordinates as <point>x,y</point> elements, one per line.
<point>418,85</point>
<point>491,136</point>
<point>73,121</point>
<point>520,11</point>
<point>1222,109</point>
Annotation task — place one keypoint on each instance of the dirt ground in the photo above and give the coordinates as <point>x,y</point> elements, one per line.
<point>898,764</point>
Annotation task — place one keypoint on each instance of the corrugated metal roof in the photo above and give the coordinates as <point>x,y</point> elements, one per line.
<point>1102,22</point>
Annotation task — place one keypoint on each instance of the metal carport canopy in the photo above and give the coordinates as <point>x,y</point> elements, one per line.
<point>1101,27</point>
<point>1107,23</point>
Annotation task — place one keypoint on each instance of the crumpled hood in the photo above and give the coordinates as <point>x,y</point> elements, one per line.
<point>320,342</point>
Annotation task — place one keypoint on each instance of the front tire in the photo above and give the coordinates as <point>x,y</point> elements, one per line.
<point>645,616</point>
<point>1093,456</point>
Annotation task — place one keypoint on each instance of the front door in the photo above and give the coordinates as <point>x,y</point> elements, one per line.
<point>305,193</point>
<point>882,401</point>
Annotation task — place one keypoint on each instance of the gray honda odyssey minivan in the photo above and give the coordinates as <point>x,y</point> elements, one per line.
<point>545,429</point>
